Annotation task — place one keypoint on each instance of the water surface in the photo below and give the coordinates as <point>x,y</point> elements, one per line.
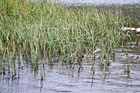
<point>60,77</point>
<point>100,2</point>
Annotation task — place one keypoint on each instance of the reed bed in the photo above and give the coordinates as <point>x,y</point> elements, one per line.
<point>39,29</point>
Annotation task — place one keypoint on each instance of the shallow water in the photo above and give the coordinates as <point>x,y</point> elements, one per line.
<point>59,77</point>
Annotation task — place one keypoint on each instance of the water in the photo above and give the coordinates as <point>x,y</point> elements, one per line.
<point>94,2</point>
<point>59,77</point>
<point>100,2</point>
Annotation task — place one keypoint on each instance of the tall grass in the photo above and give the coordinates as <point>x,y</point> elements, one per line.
<point>43,28</point>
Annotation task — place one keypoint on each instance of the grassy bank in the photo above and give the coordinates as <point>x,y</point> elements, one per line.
<point>51,29</point>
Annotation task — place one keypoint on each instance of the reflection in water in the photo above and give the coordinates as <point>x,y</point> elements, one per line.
<point>60,77</point>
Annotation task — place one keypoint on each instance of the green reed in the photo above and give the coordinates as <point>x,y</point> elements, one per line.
<point>128,67</point>
<point>41,71</point>
<point>58,30</point>
<point>137,55</point>
<point>3,63</point>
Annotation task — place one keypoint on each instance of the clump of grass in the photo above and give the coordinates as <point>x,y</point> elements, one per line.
<point>43,28</point>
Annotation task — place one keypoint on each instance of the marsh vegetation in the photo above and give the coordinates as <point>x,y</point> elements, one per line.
<point>35,30</point>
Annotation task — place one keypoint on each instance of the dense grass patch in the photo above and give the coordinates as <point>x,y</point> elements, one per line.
<point>52,29</point>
